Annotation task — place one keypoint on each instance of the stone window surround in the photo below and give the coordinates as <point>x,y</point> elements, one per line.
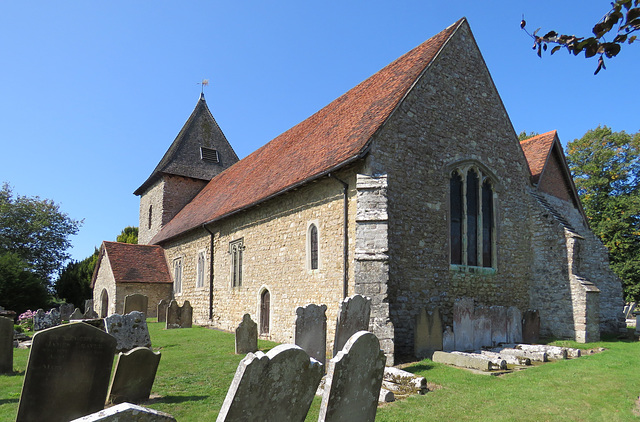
<point>308,246</point>
<point>177,275</point>
<point>236,248</point>
<point>462,167</point>
<point>201,268</point>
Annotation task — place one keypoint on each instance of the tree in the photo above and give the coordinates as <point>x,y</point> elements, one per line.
<point>623,19</point>
<point>606,170</point>
<point>20,288</point>
<point>74,282</point>
<point>129,235</point>
<point>524,135</point>
<point>36,231</point>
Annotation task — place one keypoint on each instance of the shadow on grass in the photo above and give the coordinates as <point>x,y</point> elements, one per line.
<point>175,399</point>
<point>7,401</point>
<point>419,367</point>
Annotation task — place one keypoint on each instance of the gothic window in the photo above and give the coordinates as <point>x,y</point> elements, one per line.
<point>150,215</point>
<point>235,249</point>
<point>312,246</point>
<point>200,270</point>
<point>471,212</point>
<point>177,275</point>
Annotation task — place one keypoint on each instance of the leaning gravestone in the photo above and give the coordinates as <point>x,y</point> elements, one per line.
<point>353,316</point>
<point>531,326</point>
<point>67,373</point>
<point>127,412</point>
<point>246,336</point>
<point>6,345</point>
<point>179,316</point>
<point>310,331</point>
<point>354,378</point>
<point>136,302</point>
<point>428,333</point>
<point>129,330</point>
<point>463,323</point>
<point>134,376</point>
<point>514,325</point>
<point>66,309</point>
<point>43,320</point>
<point>273,387</point>
<point>76,315</point>
<point>162,311</point>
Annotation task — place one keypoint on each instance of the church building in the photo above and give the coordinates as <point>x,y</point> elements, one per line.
<point>411,189</point>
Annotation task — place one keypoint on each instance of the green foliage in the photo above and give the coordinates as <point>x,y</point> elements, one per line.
<point>20,288</point>
<point>524,135</point>
<point>129,235</point>
<point>74,282</point>
<point>606,168</point>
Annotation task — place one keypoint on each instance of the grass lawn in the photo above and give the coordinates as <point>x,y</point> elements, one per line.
<point>198,364</point>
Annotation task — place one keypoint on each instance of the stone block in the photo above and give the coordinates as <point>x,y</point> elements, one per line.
<point>129,330</point>
<point>6,345</point>
<point>134,375</point>
<point>247,336</point>
<point>462,361</point>
<point>310,331</point>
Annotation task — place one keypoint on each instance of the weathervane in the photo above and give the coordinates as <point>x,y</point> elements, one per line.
<point>205,82</point>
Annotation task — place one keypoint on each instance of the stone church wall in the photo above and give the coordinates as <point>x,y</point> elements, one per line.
<point>104,281</point>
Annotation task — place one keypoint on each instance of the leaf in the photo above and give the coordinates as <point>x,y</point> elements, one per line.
<point>539,50</point>
<point>591,50</point>
<point>544,46</point>
<point>632,39</point>
<point>550,34</point>
<point>633,14</point>
<point>611,49</point>
<point>600,65</point>
<point>620,38</point>
<point>556,48</point>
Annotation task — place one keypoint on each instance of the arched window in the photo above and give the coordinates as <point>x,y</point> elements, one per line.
<point>471,216</point>
<point>265,310</point>
<point>313,247</point>
<point>150,215</point>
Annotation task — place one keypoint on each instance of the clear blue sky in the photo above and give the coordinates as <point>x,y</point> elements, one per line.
<point>93,93</point>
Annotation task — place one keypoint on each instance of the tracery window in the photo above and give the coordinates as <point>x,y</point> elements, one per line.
<point>313,247</point>
<point>235,249</point>
<point>177,275</point>
<point>200,269</point>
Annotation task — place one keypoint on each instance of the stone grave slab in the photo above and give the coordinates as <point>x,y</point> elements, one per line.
<point>129,330</point>
<point>136,302</point>
<point>88,304</point>
<point>90,314</point>
<point>277,386</point>
<point>428,335</point>
<point>162,310</point>
<point>354,378</point>
<point>498,316</point>
<point>186,316</point>
<point>43,320</point>
<point>134,375</point>
<point>66,309</point>
<point>67,373</point>
<point>6,345</point>
<point>481,327</point>
<point>179,316</point>
<point>463,316</point>
<point>353,316</point>
<point>531,326</point>
<point>448,340</point>
<point>514,325</point>
<point>76,315</point>
<point>310,331</point>
<point>246,336</point>
<point>127,412</point>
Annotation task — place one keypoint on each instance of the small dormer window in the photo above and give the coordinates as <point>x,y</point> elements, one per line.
<point>209,155</point>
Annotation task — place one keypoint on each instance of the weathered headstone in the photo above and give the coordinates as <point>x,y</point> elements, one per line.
<point>76,315</point>
<point>179,316</point>
<point>463,323</point>
<point>129,330</point>
<point>246,336</point>
<point>6,345</point>
<point>498,324</point>
<point>428,333</point>
<point>186,315</point>
<point>273,387</point>
<point>353,381</point>
<point>481,327</point>
<point>134,376</point>
<point>531,326</point>
<point>88,304</point>
<point>66,309</point>
<point>514,325</point>
<point>90,314</point>
<point>136,302</point>
<point>127,412</point>
<point>162,310</point>
<point>67,373</point>
<point>448,340</point>
<point>43,320</point>
<point>353,316</point>
<point>311,331</point>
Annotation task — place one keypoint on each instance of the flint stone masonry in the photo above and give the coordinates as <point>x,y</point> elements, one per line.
<point>66,309</point>
<point>311,331</point>
<point>353,317</point>
<point>136,302</point>
<point>6,345</point>
<point>354,378</point>
<point>43,320</point>
<point>428,333</point>
<point>134,375</point>
<point>179,316</point>
<point>67,373</point>
<point>129,330</point>
<point>246,336</point>
<point>127,412</point>
<point>162,310</point>
<point>277,386</point>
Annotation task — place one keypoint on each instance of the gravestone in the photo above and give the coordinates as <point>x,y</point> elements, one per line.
<point>129,330</point>
<point>448,339</point>
<point>127,412</point>
<point>531,326</point>
<point>246,336</point>
<point>277,386</point>
<point>76,315</point>
<point>88,304</point>
<point>179,316</point>
<point>353,316</point>
<point>6,345</point>
<point>66,309</point>
<point>43,320</point>
<point>354,378</point>
<point>134,376</point>
<point>514,325</point>
<point>463,323</point>
<point>310,331</point>
<point>67,373</point>
<point>136,302</point>
<point>481,327</point>
<point>186,315</point>
<point>498,324</point>
<point>90,314</point>
<point>162,310</point>
<point>428,333</point>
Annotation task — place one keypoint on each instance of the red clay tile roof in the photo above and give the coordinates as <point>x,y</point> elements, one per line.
<point>537,151</point>
<point>136,263</point>
<point>334,136</point>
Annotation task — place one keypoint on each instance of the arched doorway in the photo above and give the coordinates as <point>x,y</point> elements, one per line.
<point>265,305</point>
<point>104,303</point>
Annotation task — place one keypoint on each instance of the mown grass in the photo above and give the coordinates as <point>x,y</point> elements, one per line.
<point>198,365</point>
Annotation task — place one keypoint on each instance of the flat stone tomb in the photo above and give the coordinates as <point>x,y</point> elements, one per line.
<point>311,331</point>
<point>136,302</point>
<point>129,330</point>
<point>277,386</point>
<point>354,378</point>
<point>179,316</point>
<point>134,376</point>
<point>428,333</point>
<point>6,345</point>
<point>353,316</point>
<point>67,373</point>
<point>43,320</point>
<point>246,336</point>
<point>162,310</point>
